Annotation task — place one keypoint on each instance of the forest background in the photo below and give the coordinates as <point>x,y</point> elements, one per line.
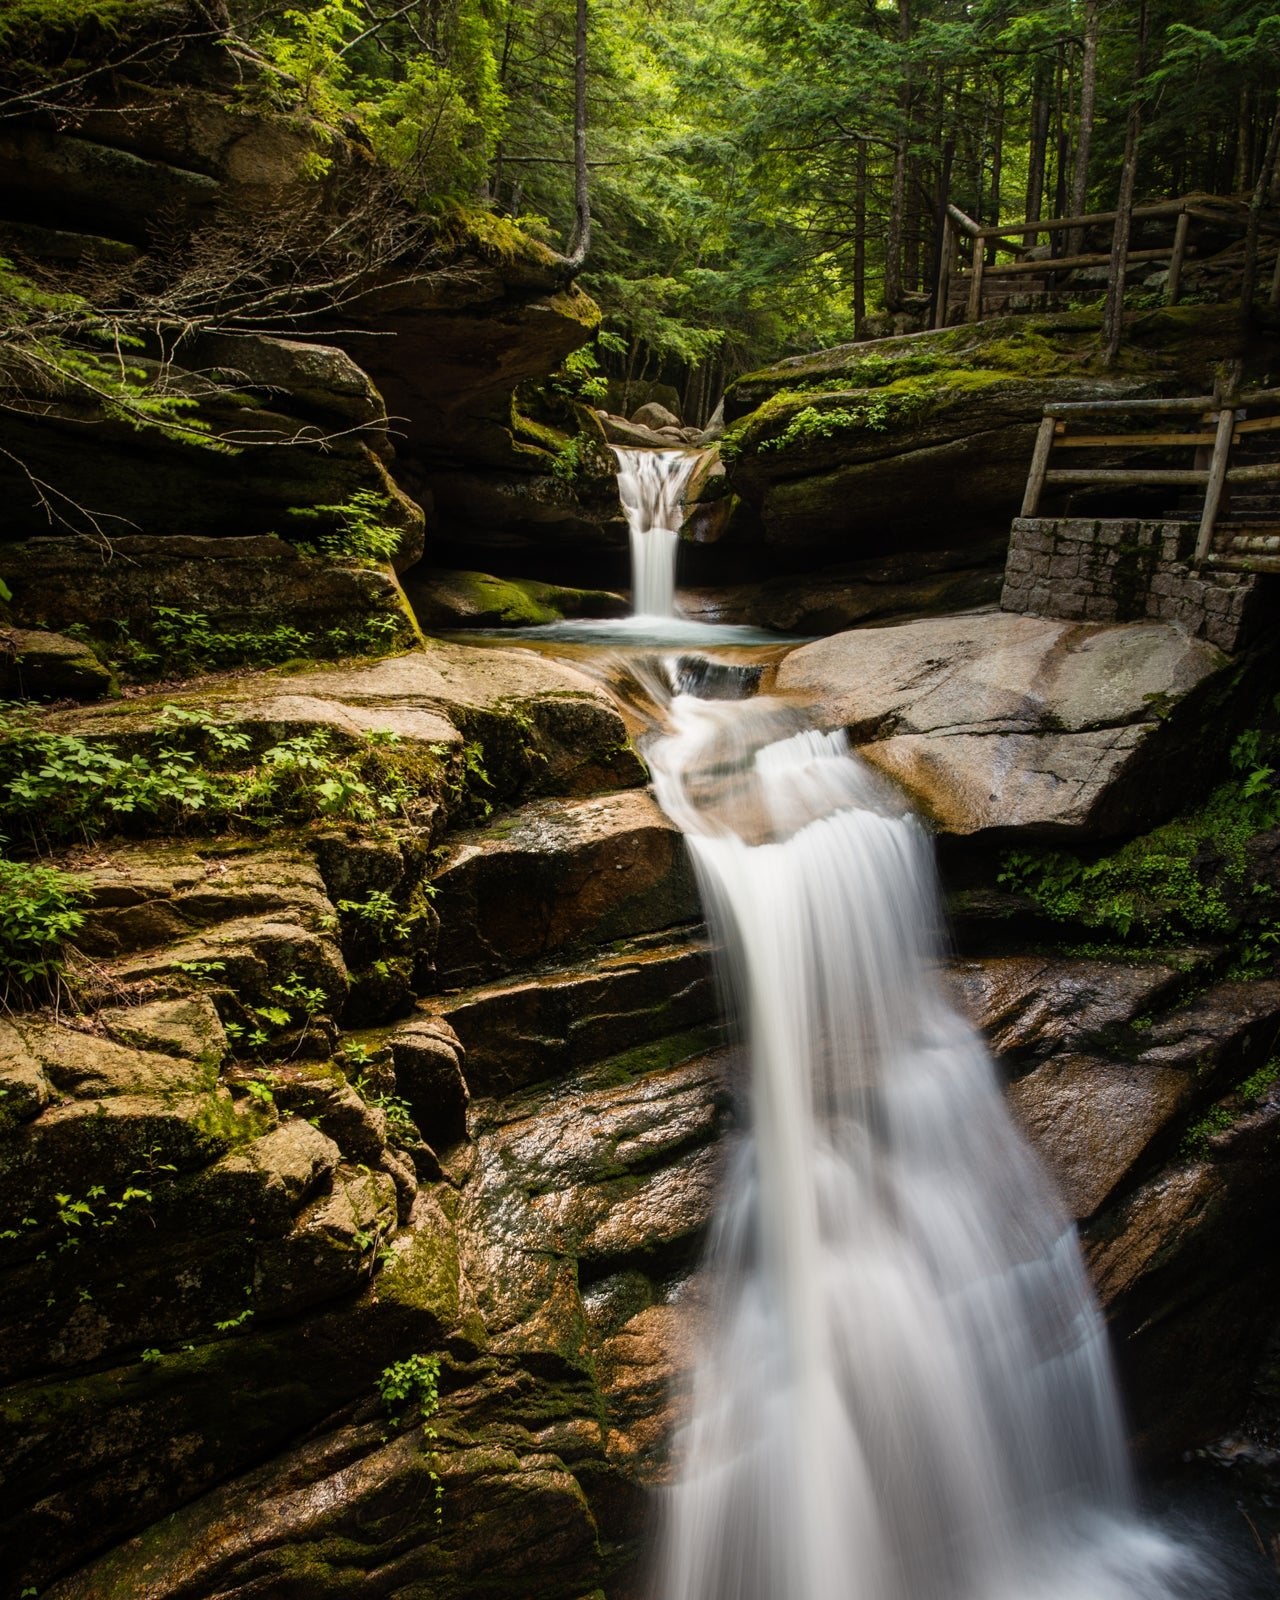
<point>766,175</point>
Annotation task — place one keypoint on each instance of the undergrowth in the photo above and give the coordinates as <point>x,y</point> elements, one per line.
<point>1183,880</point>
<point>39,913</point>
<point>194,770</point>
<point>179,643</point>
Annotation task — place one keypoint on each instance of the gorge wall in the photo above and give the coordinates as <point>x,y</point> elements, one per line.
<point>386,1084</point>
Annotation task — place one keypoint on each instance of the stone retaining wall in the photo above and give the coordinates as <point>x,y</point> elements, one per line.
<point>1091,570</point>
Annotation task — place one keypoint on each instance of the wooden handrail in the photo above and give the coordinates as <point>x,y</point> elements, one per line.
<point>1213,476</point>
<point>1015,236</point>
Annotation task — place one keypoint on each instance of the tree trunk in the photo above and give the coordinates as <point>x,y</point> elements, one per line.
<point>1113,310</point>
<point>1244,144</point>
<point>940,217</point>
<point>860,241</point>
<point>1084,138</point>
<point>898,195</point>
<point>1039,145</point>
<point>1249,277</point>
<point>581,242</point>
<point>997,168</point>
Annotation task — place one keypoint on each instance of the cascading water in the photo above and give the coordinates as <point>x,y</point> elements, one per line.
<point>651,484</point>
<point>904,1391</point>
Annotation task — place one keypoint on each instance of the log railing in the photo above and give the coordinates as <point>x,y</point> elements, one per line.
<point>1221,423</point>
<point>1232,214</point>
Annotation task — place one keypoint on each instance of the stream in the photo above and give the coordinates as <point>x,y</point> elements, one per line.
<point>904,1389</point>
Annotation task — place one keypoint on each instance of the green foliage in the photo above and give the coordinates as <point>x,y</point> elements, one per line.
<point>416,1379</point>
<point>39,913</point>
<point>57,346</point>
<point>1221,1118</point>
<point>568,462</point>
<point>813,424</point>
<point>192,770</point>
<point>360,527</point>
<point>1175,882</point>
<point>401,1128</point>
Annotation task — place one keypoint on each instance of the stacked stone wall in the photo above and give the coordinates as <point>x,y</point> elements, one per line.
<point>1094,570</point>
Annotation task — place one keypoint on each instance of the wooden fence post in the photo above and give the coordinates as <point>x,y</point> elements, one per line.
<point>1039,466</point>
<point>973,311</point>
<point>1174,285</point>
<point>1217,477</point>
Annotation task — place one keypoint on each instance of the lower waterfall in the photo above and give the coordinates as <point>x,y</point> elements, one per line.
<point>904,1390</point>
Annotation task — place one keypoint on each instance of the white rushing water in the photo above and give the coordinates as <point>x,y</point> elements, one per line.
<point>651,484</point>
<point>904,1391</point>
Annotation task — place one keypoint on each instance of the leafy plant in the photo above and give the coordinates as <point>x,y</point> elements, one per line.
<point>416,1378</point>
<point>194,767</point>
<point>361,528</point>
<point>39,914</point>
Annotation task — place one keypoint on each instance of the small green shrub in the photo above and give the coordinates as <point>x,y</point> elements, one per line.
<point>39,913</point>
<point>812,424</point>
<point>415,1378</point>
<point>1177,881</point>
<point>360,529</point>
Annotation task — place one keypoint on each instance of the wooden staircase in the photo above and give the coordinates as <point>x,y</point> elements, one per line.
<point>1230,491</point>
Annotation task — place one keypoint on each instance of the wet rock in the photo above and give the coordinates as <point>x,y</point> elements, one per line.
<point>428,1058</point>
<point>1054,728</point>
<point>621,1174</point>
<point>559,875</point>
<point>36,665</point>
<point>1032,1006</point>
<point>524,1030</point>
<point>1094,1120</point>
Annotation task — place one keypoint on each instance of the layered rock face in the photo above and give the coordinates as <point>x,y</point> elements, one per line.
<point>171,194</point>
<point>253,1173</point>
<point>453,1088</point>
<point>922,443</point>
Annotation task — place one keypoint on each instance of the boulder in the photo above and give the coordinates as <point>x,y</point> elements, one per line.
<point>428,1058</point>
<point>560,874</point>
<point>995,722</point>
<point>655,416</point>
<point>38,665</point>
<point>1094,1120</point>
<point>477,600</point>
<point>617,430</point>
<point>924,442</point>
<point>525,1030</point>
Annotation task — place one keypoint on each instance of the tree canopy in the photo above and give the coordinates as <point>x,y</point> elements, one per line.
<point>766,175</point>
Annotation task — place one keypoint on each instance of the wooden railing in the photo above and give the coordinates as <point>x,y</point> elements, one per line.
<point>1223,423</point>
<point>1182,213</point>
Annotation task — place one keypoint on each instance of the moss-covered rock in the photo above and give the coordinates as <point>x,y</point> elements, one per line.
<point>925,438</point>
<point>476,600</point>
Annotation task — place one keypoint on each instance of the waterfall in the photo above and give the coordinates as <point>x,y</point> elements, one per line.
<point>904,1390</point>
<point>651,484</point>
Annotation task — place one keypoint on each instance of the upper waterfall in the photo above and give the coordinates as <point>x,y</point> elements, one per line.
<point>651,484</point>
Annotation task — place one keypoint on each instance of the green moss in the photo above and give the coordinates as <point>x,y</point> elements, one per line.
<point>31,20</point>
<point>423,1276</point>
<point>1182,880</point>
